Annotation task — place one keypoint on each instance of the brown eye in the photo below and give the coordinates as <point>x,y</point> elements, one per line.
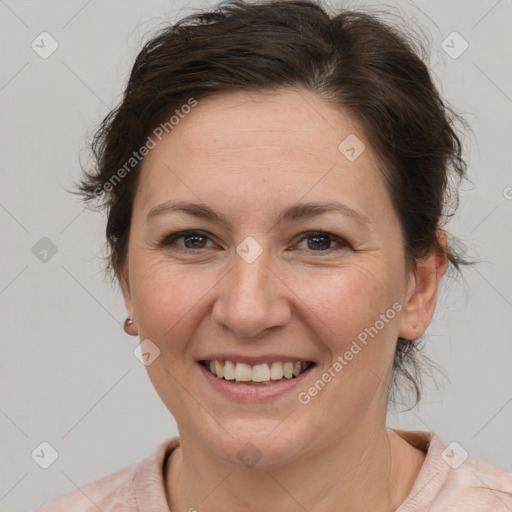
<point>191,240</point>
<point>322,242</point>
<point>319,242</point>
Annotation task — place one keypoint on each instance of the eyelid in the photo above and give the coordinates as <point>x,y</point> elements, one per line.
<point>169,240</point>
<point>342,242</point>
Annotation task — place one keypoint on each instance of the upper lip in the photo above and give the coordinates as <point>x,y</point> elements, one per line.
<point>252,360</point>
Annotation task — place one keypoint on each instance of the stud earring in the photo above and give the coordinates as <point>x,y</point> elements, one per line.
<point>127,324</point>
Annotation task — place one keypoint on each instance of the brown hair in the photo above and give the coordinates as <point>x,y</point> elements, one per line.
<point>350,58</point>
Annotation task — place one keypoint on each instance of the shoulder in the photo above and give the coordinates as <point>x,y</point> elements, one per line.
<point>106,494</point>
<point>129,489</point>
<point>476,485</point>
<point>452,481</point>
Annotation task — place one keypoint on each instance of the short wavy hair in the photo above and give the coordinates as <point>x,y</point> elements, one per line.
<point>350,58</point>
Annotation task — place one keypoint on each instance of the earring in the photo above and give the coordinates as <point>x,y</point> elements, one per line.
<point>127,324</point>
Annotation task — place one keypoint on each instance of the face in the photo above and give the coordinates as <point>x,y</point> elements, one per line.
<point>268,279</point>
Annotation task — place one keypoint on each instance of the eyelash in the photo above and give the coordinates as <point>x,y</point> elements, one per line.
<point>170,240</point>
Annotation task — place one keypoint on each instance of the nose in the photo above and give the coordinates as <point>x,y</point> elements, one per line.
<point>252,298</point>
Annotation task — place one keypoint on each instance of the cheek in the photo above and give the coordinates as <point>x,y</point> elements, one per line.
<point>343,302</point>
<point>346,308</point>
<point>170,301</point>
<point>170,305</point>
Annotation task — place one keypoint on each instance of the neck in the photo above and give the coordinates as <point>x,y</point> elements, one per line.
<point>372,469</point>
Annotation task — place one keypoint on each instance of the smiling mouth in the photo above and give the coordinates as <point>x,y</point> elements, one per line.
<point>259,374</point>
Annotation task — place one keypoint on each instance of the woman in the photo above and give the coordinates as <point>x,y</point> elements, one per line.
<point>276,184</point>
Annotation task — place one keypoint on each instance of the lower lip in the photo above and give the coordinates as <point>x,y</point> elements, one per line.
<point>248,393</point>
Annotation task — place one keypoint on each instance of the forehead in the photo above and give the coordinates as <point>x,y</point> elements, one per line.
<point>277,146</point>
<point>276,120</point>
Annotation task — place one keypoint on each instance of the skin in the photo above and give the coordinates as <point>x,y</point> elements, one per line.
<point>248,156</point>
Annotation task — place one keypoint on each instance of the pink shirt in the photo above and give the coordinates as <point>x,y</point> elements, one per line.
<point>441,486</point>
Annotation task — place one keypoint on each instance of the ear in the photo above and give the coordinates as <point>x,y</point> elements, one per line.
<point>422,293</point>
<point>124,283</point>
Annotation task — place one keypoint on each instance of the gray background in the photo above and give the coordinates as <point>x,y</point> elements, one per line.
<point>67,372</point>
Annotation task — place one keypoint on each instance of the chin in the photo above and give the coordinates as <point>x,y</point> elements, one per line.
<point>260,444</point>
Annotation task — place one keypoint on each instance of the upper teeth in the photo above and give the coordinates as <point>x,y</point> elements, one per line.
<point>257,373</point>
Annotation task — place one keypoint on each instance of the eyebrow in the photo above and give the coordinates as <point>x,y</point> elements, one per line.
<point>291,214</point>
